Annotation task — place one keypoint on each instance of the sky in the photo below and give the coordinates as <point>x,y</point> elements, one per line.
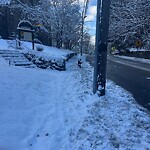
<point>90,21</point>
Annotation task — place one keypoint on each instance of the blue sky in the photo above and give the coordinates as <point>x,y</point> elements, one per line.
<point>90,20</point>
<point>92,17</point>
<point>93,2</point>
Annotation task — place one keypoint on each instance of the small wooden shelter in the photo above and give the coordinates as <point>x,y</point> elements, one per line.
<point>26,32</point>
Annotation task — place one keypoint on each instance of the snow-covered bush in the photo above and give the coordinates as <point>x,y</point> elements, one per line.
<point>45,63</point>
<point>39,48</point>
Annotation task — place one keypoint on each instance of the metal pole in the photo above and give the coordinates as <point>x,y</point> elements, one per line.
<point>102,28</point>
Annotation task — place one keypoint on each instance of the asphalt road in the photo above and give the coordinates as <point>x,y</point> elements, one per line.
<point>132,76</point>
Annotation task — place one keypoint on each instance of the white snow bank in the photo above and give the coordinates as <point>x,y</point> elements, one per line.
<point>113,122</point>
<point>3,44</point>
<point>48,52</point>
<point>45,109</point>
<point>137,49</point>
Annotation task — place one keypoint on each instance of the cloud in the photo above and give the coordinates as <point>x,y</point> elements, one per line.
<point>93,39</point>
<point>91,13</point>
<point>93,9</point>
<point>90,20</point>
<point>81,2</point>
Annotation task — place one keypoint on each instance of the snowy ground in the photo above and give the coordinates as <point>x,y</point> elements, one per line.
<point>3,44</point>
<point>52,110</point>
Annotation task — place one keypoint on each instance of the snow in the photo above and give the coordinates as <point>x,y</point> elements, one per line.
<point>3,44</point>
<point>5,1</point>
<point>135,59</point>
<point>53,110</point>
<point>24,22</point>
<point>137,49</point>
<point>48,52</point>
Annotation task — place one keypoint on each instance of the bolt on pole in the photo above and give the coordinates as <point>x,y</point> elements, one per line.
<point>102,28</point>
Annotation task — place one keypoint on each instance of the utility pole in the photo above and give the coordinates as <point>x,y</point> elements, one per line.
<point>102,28</point>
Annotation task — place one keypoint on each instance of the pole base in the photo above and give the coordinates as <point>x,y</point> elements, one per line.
<point>101,92</point>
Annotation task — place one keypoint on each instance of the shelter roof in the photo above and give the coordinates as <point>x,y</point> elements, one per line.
<point>3,2</point>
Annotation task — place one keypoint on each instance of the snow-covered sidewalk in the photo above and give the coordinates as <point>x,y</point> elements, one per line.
<point>53,110</point>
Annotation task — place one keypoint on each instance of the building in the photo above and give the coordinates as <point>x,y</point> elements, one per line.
<point>10,16</point>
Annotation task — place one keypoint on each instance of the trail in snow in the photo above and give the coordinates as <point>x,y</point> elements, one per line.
<point>63,113</point>
<point>52,110</point>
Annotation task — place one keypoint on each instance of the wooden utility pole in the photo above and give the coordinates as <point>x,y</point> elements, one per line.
<point>102,28</point>
<point>84,12</point>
